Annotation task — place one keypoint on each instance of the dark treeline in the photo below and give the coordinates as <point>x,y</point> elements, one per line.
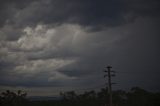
<point>9,98</point>
<point>135,97</point>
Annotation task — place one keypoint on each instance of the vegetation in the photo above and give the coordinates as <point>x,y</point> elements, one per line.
<point>135,97</point>
<point>9,98</point>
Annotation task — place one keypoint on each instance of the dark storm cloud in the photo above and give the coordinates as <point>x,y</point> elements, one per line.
<point>8,9</point>
<point>45,42</point>
<point>93,51</point>
<point>135,57</point>
<point>92,13</point>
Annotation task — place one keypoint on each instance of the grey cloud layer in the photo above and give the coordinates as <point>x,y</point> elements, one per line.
<point>93,14</point>
<point>47,42</point>
<point>85,12</point>
<point>67,55</point>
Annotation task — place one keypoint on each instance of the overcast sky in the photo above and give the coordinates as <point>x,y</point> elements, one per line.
<point>48,46</point>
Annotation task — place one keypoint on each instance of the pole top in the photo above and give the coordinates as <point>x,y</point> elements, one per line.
<point>109,66</point>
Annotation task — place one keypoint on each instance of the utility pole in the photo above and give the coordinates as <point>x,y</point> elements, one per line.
<point>109,75</point>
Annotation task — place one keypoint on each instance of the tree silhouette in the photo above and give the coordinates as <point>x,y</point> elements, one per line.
<point>135,97</point>
<point>9,98</point>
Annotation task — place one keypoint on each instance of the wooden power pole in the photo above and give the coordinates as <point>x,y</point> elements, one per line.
<point>109,75</point>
